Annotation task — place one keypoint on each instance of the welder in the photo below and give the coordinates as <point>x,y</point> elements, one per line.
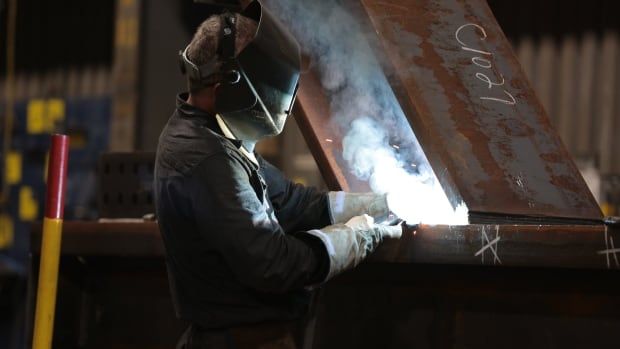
<point>244,245</point>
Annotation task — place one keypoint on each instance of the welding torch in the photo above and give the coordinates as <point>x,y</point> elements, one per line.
<point>407,227</point>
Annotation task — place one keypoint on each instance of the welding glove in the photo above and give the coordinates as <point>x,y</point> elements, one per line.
<point>348,244</point>
<point>344,206</point>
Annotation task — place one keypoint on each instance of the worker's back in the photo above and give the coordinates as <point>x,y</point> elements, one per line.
<point>205,289</point>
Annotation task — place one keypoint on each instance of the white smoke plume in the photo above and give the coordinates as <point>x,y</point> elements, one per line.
<point>379,144</point>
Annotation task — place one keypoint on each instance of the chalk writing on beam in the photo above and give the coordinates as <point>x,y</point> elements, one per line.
<point>484,62</point>
<point>512,100</point>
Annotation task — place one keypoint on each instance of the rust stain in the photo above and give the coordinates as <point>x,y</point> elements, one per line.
<point>501,153</point>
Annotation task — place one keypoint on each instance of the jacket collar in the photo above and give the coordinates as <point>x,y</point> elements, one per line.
<point>205,118</point>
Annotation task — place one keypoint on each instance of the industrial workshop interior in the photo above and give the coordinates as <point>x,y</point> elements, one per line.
<point>309,174</point>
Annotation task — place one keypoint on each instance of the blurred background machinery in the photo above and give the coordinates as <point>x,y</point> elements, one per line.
<point>105,72</point>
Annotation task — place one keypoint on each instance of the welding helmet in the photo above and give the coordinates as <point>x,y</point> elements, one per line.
<point>255,90</point>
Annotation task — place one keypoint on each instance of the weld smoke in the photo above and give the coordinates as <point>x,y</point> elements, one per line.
<point>379,144</point>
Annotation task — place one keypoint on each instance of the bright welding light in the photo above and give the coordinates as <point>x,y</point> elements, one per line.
<point>426,204</point>
<point>414,197</point>
<point>364,106</point>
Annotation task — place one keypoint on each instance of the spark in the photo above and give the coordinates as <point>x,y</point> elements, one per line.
<point>328,140</point>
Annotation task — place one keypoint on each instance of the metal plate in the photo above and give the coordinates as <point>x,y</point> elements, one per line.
<point>482,127</point>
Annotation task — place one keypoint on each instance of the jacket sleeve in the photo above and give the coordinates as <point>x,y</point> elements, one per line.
<point>235,223</point>
<point>298,208</point>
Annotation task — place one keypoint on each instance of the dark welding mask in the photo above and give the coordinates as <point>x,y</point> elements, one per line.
<point>255,90</point>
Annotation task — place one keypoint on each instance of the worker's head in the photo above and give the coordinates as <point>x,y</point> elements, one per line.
<point>206,41</point>
<point>250,65</point>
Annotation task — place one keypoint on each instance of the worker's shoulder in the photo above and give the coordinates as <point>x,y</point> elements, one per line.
<point>184,144</point>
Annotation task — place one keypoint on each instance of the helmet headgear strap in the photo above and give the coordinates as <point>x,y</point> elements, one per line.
<point>208,74</point>
<point>228,36</point>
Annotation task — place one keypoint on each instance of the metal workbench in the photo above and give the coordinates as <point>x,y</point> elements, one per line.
<point>440,287</point>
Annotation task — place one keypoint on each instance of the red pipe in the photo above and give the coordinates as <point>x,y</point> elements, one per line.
<point>57,177</point>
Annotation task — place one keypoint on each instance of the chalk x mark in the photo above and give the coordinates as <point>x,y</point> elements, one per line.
<point>609,242</point>
<point>488,244</point>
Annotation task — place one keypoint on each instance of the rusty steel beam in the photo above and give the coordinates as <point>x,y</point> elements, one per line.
<point>554,246</point>
<point>311,111</point>
<point>482,127</point>
<point>564,246</point>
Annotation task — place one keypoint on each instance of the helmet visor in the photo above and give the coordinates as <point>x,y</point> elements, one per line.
<point>270,64</point>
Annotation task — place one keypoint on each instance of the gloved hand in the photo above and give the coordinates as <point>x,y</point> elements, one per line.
<point>348,244</point>
<point>344,206</point>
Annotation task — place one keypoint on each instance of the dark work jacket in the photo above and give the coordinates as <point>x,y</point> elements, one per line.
<point>236,250</point>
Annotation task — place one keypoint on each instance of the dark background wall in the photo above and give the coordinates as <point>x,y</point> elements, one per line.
<point>556,17</point>
<point>164,35</point>
<point>53,34</point>
<point>61,33</point>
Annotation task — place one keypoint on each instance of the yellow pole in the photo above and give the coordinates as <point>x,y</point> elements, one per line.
<point>48,278</point>
<point>50,243</point>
